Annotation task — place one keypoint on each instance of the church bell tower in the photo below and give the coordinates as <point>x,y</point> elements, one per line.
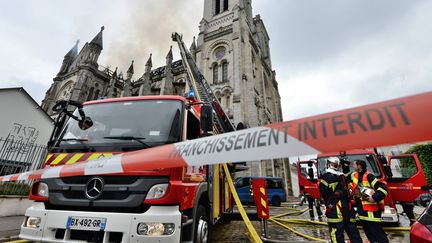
<point>233,54</point>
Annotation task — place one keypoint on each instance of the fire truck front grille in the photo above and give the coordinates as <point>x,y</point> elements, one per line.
<point>89,236</point>
<point>125,192</point>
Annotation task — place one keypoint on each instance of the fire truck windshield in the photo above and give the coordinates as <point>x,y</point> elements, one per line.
<point>371,163</point>
<point>124,126</point>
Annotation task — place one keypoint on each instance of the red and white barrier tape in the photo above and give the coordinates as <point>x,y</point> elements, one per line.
<point>404,120</point>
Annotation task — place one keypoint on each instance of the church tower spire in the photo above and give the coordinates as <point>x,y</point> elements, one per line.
<point>94,49</point>
<point>130,71</point>
<point>69,58</point>
<point>111,86</point>
<point>127,90</point>
<point>169,57</point>
<point>148,64</point>
<point>192,49</point>
<point>145,87</point>
<point>98,39</point>
<point>167,82</point>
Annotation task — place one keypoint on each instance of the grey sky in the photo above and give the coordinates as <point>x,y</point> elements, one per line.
<point>327,55</point>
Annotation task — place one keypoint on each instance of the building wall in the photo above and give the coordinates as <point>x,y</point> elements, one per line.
<point>24,132</point>
<point>22,119</point>
<point>231,36</point>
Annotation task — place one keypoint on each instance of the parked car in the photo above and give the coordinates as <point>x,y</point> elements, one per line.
<point>421,231</point>
<point>275,190</point>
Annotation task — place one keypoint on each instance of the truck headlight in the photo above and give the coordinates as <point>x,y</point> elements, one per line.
<point>42,189</point>
<point>157,191</point>
<point>32,222</point>
<point>155,229</point>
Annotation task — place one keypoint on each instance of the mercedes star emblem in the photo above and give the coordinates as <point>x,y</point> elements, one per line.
<point>94,188</point>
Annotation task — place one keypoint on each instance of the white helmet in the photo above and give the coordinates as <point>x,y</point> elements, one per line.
<point>333,162</point>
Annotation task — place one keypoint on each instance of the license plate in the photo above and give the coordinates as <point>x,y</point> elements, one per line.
<point>85,223</point>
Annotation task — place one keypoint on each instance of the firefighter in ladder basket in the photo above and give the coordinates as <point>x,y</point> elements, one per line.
<point>339,209</point>
<point>369,194</point>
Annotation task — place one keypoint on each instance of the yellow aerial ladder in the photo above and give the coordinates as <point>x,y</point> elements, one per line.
<point>219,176</point>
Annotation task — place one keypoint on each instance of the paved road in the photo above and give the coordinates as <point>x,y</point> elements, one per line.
<point>9,226</point>
<point>235,230</point>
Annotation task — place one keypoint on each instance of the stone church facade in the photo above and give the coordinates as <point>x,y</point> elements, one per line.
<point>232,51</point>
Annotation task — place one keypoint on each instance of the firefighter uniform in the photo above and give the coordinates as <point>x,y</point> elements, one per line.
<point>339,211</point>
<point>369,212</point>
<point>310,199</point>
<point>311,202</point>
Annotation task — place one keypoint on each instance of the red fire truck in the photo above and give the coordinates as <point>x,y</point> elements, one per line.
<point>402,174</point>
<point>160,205</point>
<point>144,206</point>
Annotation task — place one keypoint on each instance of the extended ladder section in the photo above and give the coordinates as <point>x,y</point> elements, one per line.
<point>201,88</point>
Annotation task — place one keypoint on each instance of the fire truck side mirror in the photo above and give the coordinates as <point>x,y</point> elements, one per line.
<point>388,171</point>
<point>85,123</point>
<point>383,160</point>
<point>206,121</point>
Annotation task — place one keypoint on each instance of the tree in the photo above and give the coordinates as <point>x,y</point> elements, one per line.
<point>424,152</point>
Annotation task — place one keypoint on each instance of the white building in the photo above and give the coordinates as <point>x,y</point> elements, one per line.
<point>24,131</point>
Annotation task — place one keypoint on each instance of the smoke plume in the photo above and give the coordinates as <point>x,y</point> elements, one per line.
<point>148,30</point>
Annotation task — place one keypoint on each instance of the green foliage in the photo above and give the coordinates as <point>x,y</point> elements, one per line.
<point>13,188</point>
<point>408,167</point>
<point>424,152</point>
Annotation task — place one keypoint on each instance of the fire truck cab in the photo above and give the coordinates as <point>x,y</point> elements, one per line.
<point>161,205</point>
<point>402,174</point>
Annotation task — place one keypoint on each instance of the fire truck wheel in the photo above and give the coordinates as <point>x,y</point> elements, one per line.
<point>276,201</point>
<point>201,225</point>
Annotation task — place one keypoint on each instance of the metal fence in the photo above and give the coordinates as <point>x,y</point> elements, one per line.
<point>17,157</point>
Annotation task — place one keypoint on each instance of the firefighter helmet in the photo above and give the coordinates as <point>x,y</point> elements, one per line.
<point>366,192</point>
<point>333,162</point>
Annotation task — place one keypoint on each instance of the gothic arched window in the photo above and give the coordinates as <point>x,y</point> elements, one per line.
<point>225,6</point>
<point>96,96</point>
<point>215,73</point>
<point>65,92</point>
<point>90,94</point>
<point>217,7</point>
<point>225,71</point>
<point>228,98</point>
<point>218,96</point>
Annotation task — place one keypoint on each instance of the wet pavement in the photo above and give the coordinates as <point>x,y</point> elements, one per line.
<point>235,231</point>
<point>9,226</point>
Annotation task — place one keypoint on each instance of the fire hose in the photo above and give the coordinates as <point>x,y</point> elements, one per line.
<point>284,223</point>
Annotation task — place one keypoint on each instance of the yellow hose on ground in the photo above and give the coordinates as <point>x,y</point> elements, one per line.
<point>307,221</point>
<point>301,221</point>
<point>297,211</point>
<point>297,232</point>
<point>18,241</point>
<point>400,228</point>
<point>253,234</point>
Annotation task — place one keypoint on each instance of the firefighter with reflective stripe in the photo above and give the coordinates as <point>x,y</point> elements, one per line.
<point>312,201</point>
<point>339,211</point>
<point>369,194</point>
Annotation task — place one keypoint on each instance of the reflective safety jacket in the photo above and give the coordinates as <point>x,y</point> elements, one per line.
<point>334,192</point>
<point>370,211</point>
